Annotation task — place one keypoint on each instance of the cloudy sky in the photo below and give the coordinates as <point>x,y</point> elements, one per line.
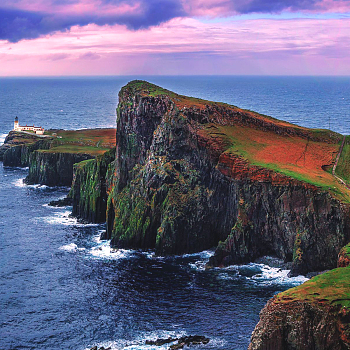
<point>112,37</point>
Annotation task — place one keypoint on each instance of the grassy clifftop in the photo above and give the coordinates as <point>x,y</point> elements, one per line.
<point>261,142</point>
<point>330,288</point>
<point>88,141</point>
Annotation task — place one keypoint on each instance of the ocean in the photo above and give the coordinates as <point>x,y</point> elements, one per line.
<point>61,287</point>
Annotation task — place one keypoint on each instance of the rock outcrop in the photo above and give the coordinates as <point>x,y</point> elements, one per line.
<point>18,146</point>
<point>50,158</point>
<point>89,192</point>
<point>183,182</point>
<point>315,315</point>
<point>344,256</point>
<point>53,168</point>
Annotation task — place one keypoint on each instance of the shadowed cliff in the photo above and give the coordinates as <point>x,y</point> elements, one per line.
<point>191,174</point>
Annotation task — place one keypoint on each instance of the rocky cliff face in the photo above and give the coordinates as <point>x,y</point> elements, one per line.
<point>88,191</point>
<point>17,147</point>
<point>179,187</point>
<point>51,158</point>
<point>53,169</point>
<point>344,256</point>
<point>314,315</point>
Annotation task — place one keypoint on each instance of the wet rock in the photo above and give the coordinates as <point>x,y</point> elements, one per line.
<point>160,342</point>
<point>181,342</point>
<point>65,202</point>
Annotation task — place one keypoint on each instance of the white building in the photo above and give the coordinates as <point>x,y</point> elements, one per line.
<point>37,129</point>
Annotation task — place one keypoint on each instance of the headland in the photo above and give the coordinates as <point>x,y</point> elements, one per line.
<point>188,174</point>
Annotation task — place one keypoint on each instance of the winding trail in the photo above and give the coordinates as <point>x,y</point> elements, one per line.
<point>336,163</point>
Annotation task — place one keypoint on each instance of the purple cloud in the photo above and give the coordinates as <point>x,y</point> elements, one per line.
<point>18,24</point>
<point>19,21</point>
<point>272,6</point>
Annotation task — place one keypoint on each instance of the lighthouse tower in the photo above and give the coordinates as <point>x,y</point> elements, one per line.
<point>16,124</point>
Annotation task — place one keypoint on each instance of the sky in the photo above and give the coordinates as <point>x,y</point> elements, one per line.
<point>174,37</point>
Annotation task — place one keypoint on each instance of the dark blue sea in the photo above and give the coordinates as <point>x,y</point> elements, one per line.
<point>61,287</point>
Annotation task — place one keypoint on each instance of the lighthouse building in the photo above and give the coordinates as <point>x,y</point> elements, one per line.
<point>37,129</point>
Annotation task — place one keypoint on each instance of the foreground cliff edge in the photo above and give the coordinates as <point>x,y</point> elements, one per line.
<point>189,174</point>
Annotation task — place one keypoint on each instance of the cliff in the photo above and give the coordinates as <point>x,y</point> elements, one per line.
<point>89,192</point>
<point>191,174</point>
<point>315,315</point>
<point>51,157</point>
<point>17,147</point>
<point>53,168</point>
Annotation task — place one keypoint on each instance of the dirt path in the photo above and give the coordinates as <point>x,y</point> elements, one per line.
<point>336,163</point>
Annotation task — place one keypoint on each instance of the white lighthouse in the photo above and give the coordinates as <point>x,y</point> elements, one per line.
<point>16,124</point>
<point>36,129</point>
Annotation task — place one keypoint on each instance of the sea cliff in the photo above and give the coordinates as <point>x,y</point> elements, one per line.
<point>188,174</point>
<point>191,174</point>
<point>315,315</point>
<point>89,192</point>
<point>51,157</point>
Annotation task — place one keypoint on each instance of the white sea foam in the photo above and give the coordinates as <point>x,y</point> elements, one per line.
<point>150,254</point>
<point>72,247</point>
<point>63,218</point>
<point>276,275</point>
<point>19,183</point>
<point>202,261</point>
<point>205,254</point>
<point>139,342</point>
<point>97,238</point>
<point>260,274</point>
<point>104,251</point>
<point>2,138</point>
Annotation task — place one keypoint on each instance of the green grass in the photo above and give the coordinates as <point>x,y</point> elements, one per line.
<point>343,167</point>
<point>293,156</point>
<point>76,149</point>
<point>331,287</point>
<point>253,143</point>
<point>87,141</point>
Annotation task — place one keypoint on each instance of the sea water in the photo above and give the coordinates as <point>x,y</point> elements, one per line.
<point>61,287</point>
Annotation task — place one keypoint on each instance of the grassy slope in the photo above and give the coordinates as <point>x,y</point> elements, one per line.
<point>331,287</point>
<point>293,156</point>
<point>88,141</point>
<point>343,167</point>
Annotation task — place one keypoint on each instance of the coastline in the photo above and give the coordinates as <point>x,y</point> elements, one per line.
<point>158,102</point>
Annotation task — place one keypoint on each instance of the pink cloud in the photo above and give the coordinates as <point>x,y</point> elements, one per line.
<point>187,46</point>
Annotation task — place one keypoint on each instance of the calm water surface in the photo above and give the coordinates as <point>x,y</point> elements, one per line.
<point>62,288</point>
